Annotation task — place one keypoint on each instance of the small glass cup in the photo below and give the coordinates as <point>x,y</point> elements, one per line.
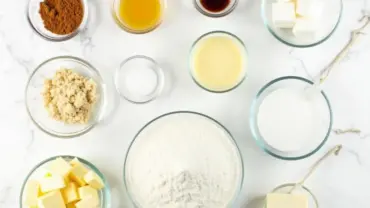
<point>121,23</point>
<point>138,62</point>
<point>37,24</point>
<point>287,188</point>
<point>232,5</point>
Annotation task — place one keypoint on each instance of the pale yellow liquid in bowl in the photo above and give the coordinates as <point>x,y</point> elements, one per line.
<point>218,62</point>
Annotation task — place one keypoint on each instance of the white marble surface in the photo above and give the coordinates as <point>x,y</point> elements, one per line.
<point>341,183</point>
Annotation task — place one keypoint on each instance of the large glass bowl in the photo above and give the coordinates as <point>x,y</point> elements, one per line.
<point>294,83</point>
<point>129,189</point>
<point>35,103</point>
<point>37,23</point>
<point>39,170</point>
<point>332,13</point>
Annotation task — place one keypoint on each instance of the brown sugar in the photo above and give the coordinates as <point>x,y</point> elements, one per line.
<point>61,16</point>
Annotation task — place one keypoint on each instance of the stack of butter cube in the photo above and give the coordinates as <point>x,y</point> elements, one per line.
<point>65,185</point>
<point>301,16</point>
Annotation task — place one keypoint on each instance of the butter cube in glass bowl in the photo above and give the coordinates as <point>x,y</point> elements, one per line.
<point>56,190</point>
<point>320,20</point>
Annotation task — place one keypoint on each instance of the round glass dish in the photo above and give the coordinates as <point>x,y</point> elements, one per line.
<point>240,179</point>
<point>286,188</point>
<point>300,84</point>
<point>39,170</point>
<point>35,102</point>
<point>230,7</point>
<point>115,10</point>
<point>328,24</point>
<point>152,75</point>
<point>243,54</point>
<point>37,23</point>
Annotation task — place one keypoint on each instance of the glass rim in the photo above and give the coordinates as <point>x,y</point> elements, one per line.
<point>215,15</point>
<point>105,191</point>
<point>326,37</point>
<point>158,71</point>
<point>126,28</point>
<point>253,114</point>
<point>243,49</point>
<point>65,37</point>
<point>100,111</point>
<point>231,138</point>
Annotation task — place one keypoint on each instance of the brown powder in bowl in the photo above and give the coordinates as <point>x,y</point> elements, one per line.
<point>61,16</point>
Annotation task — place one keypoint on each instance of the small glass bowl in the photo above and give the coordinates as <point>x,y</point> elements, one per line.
<point>131,194</point>
<point>218,33</point>
<point>35,103</point>
<point>39,170</point>
<point>232,5</point>
<point>329,22</point>
<point>116,16</point>
<point>37,24</point>
<point>286,188</point>
<point>138,61</point>
<point>296,83</point>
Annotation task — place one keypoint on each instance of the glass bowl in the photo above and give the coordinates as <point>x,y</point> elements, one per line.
<point>232,5</point>
<point>286,188</point>
<point>39,170</point>
<point>121,23</point>
<point>328,24</point>
<point>321,103</point>
<point>37,24</point>
<point>133,147</point>
<point>138,62</point>
<point>218,33</point>
<point>35,103</point>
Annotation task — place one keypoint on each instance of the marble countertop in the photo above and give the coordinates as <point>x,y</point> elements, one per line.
<point>341,183</point>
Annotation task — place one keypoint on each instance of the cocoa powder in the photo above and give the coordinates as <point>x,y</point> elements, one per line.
<point>61,16</point>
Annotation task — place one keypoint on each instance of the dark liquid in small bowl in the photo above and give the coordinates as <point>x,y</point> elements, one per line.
<point>215,5</point>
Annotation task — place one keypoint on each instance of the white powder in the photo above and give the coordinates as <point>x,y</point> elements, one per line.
<point>141,81</point>
<point>289,120</point>
<point>183,161</point>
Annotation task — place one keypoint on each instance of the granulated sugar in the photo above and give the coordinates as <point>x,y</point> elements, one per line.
<point>183,160</point>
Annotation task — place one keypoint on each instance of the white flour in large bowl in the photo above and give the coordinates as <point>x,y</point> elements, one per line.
<point>183,160</point>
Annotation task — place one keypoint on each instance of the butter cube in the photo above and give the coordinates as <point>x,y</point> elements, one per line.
<point>31,193</point>
<point>87,192</point>
<point>275,200</point>
<point>75,162</point>
<point>52,183</point>
<point>86,203</point>
<point>78,172</point>
<point>70,193</point>
<point>59,167</point>
<point>304,7</point>
<point>51,200</point>
<point>283,14</point>
<point>305,28</point>
<point>94,180</point>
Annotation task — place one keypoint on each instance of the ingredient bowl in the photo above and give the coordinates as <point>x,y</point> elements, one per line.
<point>326,24</point>
<point>35,101</point>
<point>218,8</point>
<point>277,124</point>
<point>37,24</point>
<point>40,170</point>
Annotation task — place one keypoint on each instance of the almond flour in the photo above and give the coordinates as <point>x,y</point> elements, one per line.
<point>69,97</point>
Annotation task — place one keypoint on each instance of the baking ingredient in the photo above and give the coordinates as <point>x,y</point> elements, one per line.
<point>140,81</point>
<point>140,15</point>
<point>32,192</point>
<point>305,8</point>
<point>219,62</point>
<point>215,5</point>
<point>69,97</point>
<point>289,121</point>
<point>61,16</point>
<point>279,200</point>
<point>183,160</point>
<point>51,200</point>
<point>283,14</point>
<point>305,28</point>
<point>54,180</point>
<point>93,180</point>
